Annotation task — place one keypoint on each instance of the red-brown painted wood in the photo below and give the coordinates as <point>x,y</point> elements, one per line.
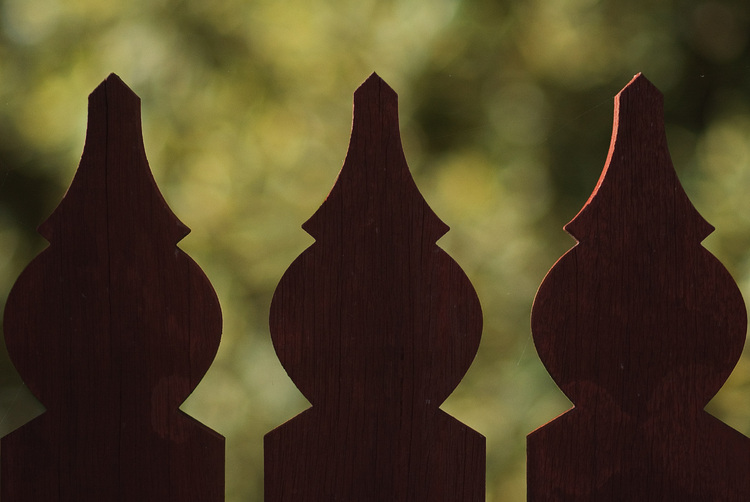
<point>376,325</point>
<point>111,327</point>
<point>640,326</point>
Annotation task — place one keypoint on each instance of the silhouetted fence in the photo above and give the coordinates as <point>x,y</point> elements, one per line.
<point>112,326</point>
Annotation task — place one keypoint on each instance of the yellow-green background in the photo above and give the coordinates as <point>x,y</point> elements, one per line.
<point>506,110</point>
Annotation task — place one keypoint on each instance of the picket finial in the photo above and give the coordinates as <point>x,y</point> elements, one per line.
<point>640,326</point>
<point>376,325</point>
<point>111,327</point>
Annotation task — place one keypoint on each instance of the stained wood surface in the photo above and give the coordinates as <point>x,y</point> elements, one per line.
<point>376,325</point>
<point>111,327</point>
<point>640,326</point>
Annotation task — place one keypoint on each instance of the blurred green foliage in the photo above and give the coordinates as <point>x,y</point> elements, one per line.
<point>506,111</point>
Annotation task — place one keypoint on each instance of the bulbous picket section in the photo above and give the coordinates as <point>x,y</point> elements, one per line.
<point>376,325</point>
<point>640,326</point>
<point>112,327</point>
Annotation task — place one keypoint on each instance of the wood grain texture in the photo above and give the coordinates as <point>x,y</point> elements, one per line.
<point>376,325</point>
<point>640,326</point>
<point>111,327</point>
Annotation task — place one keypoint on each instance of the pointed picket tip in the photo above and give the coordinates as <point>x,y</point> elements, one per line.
<point>640,84</point>
<point>375,169</point>
<point>375,84</point>
<point>111,89</point>
<point>638,117</point>
<point>638,169</point>
<point>114,85</point>
<point>113,162</point>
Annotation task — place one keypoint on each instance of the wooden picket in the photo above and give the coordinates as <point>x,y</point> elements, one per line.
<point>376,325</point>
<point>640,326</point>
<point>112,326</point>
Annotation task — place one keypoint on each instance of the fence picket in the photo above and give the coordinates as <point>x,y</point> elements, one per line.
<point>376,325</point>
<point>111,327</point>
<point>640,326</point>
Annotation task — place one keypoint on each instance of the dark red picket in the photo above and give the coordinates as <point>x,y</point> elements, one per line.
<point>376,325</point>
<point>640,326</point>
<point>111,327</point>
